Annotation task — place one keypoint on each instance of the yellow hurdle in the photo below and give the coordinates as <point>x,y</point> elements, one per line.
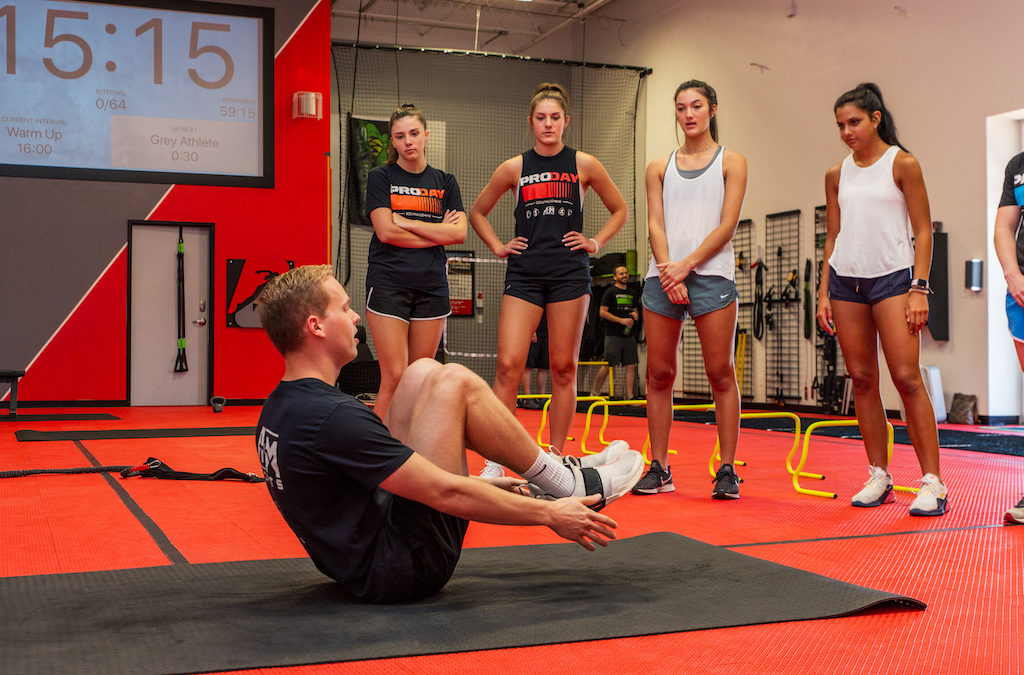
<point>544,411</point>
<point>807,442</point>
<point>605,403</point>
<point>715,456</point>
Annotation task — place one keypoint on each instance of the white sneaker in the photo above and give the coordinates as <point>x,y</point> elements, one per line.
<point>610,480</point>
<point>931,498</point>
<point>492,470</point>
<point>1015,516</point>
<point>611,453</point>
<point>877,491</point>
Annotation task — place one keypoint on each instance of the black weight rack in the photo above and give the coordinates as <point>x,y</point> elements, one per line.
<point>783,320</point>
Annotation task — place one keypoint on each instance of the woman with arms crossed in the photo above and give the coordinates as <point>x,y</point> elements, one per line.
<point>874,287</point>
<point>415,210</point>
<point>549,257</point>
<point>694,197</point>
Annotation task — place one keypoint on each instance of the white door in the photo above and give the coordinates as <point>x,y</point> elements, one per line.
<point>153,278</point>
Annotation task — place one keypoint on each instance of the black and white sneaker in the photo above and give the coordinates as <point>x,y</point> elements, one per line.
<point>657,479</point>
<point>727,484</point>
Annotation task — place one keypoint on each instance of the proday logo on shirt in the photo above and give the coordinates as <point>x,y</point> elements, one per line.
<point>548,185</point>
<point>425,200</point>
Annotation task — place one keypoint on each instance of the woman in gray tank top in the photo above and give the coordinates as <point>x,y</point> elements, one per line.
<point>694,198</point>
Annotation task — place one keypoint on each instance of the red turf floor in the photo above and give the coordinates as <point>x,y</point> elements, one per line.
<point>965,566</point>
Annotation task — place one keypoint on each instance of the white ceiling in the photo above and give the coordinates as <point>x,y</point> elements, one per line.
<point>502,26</point>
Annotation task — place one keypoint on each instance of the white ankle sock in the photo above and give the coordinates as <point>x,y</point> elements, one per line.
<point>551,475</point>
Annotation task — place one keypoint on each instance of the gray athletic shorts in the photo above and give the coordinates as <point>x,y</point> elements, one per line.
<point>708,293</point>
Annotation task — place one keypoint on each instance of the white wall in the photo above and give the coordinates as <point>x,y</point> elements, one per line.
<point>943,66</point>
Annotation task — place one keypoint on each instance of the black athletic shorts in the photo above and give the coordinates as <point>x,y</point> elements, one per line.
<point>542,291</point>
<point>407,305</point>
<point>416,552</point>
<point>620,351</point>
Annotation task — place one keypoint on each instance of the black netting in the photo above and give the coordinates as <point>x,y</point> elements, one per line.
<point>476,108</point>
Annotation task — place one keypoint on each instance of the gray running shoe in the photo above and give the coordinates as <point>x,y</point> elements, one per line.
<point>657,479</point>
<point>727,484</point>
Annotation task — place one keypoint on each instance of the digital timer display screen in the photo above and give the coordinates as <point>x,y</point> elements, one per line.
<point>137,91</point>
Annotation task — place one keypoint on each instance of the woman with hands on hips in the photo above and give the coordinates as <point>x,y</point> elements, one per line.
<point>549,256</point>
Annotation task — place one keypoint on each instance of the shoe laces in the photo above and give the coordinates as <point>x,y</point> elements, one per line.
<point>878,478</point>
<point>930,485</point>
<point>725,472</point>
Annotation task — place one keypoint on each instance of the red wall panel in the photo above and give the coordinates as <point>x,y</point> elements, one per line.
<point>86,359</point>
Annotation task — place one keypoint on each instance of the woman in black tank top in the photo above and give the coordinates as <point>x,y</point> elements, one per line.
<point>548,266</point>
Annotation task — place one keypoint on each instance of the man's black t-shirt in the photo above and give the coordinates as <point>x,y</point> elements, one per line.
<point>324,454</point>
<point>621,303</point>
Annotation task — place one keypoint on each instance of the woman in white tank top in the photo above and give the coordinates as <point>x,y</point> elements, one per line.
<point>874,286</point>
<point>694,199</point>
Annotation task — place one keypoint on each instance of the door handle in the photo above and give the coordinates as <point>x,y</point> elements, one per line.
<point>199,322</point>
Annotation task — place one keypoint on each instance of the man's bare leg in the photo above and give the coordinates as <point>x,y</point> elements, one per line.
<point>439,410</point>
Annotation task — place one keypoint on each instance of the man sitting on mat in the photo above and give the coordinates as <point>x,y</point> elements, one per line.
<point>383,509</point>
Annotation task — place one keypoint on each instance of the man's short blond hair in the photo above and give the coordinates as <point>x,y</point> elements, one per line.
<point>288,299</point>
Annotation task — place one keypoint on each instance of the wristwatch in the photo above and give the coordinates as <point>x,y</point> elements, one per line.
<point>920,285</point>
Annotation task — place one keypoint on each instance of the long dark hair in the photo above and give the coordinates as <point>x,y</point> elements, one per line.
<point>868,97</point>
<point>708,92</point>
<point>404,110</point>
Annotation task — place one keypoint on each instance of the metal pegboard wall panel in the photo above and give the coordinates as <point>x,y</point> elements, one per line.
<point>743,332</point>
<point>829,368</point>
<point>694,377</point>
<point>782,307</point>
<point>743,247</point>
<point>695,380</point>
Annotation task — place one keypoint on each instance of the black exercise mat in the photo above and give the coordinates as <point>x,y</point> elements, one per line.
<point>224,616</point>
<point>56,417</point>
<point>95,434</point>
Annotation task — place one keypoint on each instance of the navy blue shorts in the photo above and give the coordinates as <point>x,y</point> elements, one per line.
<point>540,292</point>
<point>868,291</point>
<point>708,293</point>
<point>407,305</point>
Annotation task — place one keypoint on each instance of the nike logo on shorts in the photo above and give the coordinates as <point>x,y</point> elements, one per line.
<point>725,296</point>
